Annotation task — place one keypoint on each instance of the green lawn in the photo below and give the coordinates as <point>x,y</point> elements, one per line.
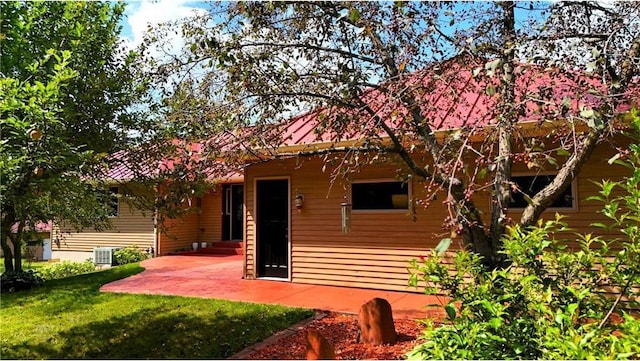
<point>26,264</point>
<point>70,319</point>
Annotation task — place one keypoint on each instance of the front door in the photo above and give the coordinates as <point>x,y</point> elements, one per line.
<point>272,227</point>
<point>233,212</point>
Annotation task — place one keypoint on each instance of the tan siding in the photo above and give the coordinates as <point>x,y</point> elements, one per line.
<point>179,234</point>
<point>130,227</point>
<point>376,252</point>
<point>210,219</point>
<point>587,212</point>
<point>249,229</point>
<point>203,225</point>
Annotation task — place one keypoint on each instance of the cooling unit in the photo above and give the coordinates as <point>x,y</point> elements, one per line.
<point>104,255</point>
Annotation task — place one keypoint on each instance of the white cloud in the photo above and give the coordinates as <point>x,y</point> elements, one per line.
<point>139,15</point>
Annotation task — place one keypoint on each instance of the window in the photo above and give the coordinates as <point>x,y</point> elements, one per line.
<point>532,184</point>
<point>379,195</point>
<point>113,201</point>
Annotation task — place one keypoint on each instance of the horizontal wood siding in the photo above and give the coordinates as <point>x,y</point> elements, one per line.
<point>204,224</point>
<point>376,252</point>
<point>130,227</point>
<point>587,212</point>
<point>178,234</point>
<point>249,228</point>
<point>133,227</point>
<point>210,221</point>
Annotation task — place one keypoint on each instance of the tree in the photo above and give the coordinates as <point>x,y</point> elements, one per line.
<point>96,101</point>
<point>255,63</point>
<point>66,88</point>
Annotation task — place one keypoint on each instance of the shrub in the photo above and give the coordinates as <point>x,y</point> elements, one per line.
<point>551,301</point>
<point>130,254</point>
<point>21,280</point>
<point>66,269</point>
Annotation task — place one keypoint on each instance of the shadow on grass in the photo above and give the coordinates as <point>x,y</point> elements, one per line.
<point>71,319</point>
<point>70,293</point>
<point>164,333</point>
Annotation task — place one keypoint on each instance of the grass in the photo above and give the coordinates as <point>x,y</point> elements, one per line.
<point>71,319</point>
<point>34,265</point>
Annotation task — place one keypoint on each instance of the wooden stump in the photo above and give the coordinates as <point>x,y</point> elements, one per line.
<point>376,322</point>
<point>318,348</point>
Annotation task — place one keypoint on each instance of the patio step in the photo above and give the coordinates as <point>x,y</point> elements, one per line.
<point>216,248</point>
<point>224,247</point>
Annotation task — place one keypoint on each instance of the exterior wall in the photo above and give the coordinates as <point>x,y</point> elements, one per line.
<point>179,234</point>
<point>130,227</point>
<point>76,256</point>
<point>587,211</point>
<point>210,218</point>
<point>375,253</point>
<point>204,224</point>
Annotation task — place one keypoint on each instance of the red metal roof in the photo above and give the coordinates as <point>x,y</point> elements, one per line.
<point>39,227</point>
<point>451,97</point>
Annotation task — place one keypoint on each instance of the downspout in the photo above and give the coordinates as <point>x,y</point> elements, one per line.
<point>156,234</point>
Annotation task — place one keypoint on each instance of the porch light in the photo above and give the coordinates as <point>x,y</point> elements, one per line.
<point>346,215</point>
<point>299,201</point>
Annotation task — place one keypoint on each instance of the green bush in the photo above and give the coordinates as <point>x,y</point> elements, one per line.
<point>130,254</point>
<point>551,302</point>
<point>66,269</point>
<point>18,281</point>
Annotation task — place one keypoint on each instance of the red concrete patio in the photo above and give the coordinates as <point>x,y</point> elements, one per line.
<point>220,276</point>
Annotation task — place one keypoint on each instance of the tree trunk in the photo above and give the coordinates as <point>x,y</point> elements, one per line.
<point>8,254</point>
<point>17,256</point>
<point>8,220</point>
<point>506,119</point>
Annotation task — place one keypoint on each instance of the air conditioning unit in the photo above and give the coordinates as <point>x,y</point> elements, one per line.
<point>104,255</point>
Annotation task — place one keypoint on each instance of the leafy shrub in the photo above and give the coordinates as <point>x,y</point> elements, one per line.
<point>21,280</point>
<point>130,254</point>
<point>551,301</point>
<point>66,269</point>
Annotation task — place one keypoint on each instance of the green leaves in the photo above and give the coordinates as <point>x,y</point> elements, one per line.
<point>443,245</point>
<point>450,308</point>
<point>354,15</point>
<point>550,302</point>
<point>66,91</point>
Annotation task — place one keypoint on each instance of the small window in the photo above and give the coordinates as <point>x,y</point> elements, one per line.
<point>532,184</point>
<point>382,195</point>
<point>113,201</point>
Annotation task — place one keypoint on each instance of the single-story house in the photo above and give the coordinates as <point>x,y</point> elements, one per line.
<point>214,217</point>
<point>297,227</point>
<point>294,222</point>
<point>301,225</point>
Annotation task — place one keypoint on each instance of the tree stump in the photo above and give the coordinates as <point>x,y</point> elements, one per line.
<point>376,322</point>
<point>318,348</point>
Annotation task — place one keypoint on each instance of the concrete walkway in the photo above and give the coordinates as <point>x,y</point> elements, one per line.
<point>221,277</point>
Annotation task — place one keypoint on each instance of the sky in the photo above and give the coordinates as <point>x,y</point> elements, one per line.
<point>140,13</point>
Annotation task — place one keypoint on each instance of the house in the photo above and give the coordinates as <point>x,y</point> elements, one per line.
<point>301,224</point>
<point>214,217</point>
<point>38,242</point>
<point>297,227</point>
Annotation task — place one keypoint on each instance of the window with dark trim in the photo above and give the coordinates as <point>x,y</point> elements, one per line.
<point>381,195</point>
<point>113,202</point>
<point>531,185</point>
